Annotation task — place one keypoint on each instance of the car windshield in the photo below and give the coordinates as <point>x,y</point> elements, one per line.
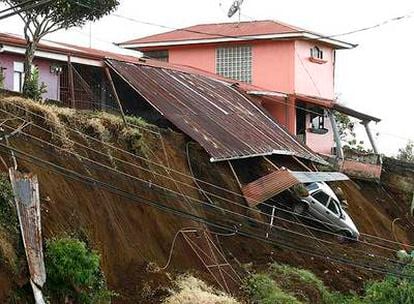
<point>321,197</point>
<point>312,186</point>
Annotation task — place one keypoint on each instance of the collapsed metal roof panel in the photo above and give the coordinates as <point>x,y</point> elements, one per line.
<point>310,177</point>
<point>223,120</point>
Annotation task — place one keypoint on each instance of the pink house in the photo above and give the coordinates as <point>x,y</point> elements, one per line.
<point>75,76</point>
<point>279,59</point>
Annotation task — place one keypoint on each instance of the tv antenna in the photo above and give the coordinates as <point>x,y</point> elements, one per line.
<point>236,7</point>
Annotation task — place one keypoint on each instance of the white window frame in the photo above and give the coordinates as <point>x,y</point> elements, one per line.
<point>18,76</point>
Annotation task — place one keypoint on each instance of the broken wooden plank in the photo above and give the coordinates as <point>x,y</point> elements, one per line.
<point>26,196</point>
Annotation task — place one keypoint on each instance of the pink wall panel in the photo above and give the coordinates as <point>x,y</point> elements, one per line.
<point>273,65</point>
<point>201,57</point>
<point>321,143</point>
<point>51,80</point>
<point>311,78</point>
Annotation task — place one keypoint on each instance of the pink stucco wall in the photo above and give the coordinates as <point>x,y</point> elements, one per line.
<point>321,143</point>
<point>312,78</point>
<point>51,80</point>
<point>201,57</point>
<point>273,62</point>
<point>273,65</point>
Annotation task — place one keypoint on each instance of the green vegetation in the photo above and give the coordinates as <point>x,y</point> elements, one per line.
<point>407,153</point>
<point>347,133</point>
<point>137,121</point>
<point>286,284</point>
<point>34,89</point>
<point>73,272</point>
<point>40,20</point>
<point>8,215</point>
<point>263,290</point>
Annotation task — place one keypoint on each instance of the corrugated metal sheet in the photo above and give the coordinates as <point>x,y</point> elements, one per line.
<point>310,177</point>
<point>26,192</point>
<point>225,122</point>
<point>268,186</point>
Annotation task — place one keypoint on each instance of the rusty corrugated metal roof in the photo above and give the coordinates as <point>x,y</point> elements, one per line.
<point>224,121</point>
<point>26,196</point>
<point>268,186</point>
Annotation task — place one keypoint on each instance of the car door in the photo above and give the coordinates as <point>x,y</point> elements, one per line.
<point>333,212</point>
<point>318,208</point>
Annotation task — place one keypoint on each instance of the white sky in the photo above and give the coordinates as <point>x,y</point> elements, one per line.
<point>376,77</point>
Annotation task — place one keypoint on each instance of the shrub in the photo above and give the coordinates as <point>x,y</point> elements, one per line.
<point>391,289</point>
<point>263,290</point>
<point>73,272</point>
<point>8,215</point>
<point>32,89</point>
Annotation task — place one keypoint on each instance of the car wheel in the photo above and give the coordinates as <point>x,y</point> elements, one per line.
<point>300,208</point>
<point>345,236</point>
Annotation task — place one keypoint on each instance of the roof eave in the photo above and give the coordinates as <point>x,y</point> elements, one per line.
<point>356,114</point>
<point>338,44</point>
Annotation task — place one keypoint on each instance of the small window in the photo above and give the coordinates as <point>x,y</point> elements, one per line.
<point>316,52</point>
<point>235,62</point>
<point>321,197</point>
<point>18,76</point>
<point>317,121</point>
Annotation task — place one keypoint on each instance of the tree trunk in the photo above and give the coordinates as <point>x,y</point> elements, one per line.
<point>28,63</point>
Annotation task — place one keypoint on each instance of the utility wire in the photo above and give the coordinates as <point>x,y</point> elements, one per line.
<point>185,184</point>
<point>169,169</point>
<point>225,210</point>
<point>133,197</point>
<point>9,8</point>
<point>23,9</point>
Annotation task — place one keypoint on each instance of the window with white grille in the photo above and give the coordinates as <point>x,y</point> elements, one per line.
<point>235,62</point>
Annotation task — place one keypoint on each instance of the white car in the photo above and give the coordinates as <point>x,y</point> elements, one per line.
<point>323,204</point>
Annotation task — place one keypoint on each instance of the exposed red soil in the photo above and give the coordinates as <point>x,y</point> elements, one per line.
<point>129,235</point>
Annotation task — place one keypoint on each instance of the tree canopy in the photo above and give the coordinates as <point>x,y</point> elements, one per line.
<point>407,153</point>
<point>42,17</point>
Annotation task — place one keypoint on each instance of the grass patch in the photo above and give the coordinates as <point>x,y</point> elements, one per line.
<point>305,285</point>
<point>263,290</point>
<point>190,290</point>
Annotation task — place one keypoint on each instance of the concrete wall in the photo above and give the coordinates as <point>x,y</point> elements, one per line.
<point>321,143</point>
<point>273,62</point>
<point>314,79</point>
<point>51,80</point>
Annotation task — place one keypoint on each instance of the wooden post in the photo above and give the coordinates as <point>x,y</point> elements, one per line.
<point>235,174</point>
<point>71,84</point>
<point>111,82</point>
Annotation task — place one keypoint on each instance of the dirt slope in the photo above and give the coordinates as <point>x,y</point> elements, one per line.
<point>130,235</point>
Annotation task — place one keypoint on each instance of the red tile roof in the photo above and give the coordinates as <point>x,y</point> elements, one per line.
<point>219,30</point>
<point>65,48</point>
<point>242,30</point>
